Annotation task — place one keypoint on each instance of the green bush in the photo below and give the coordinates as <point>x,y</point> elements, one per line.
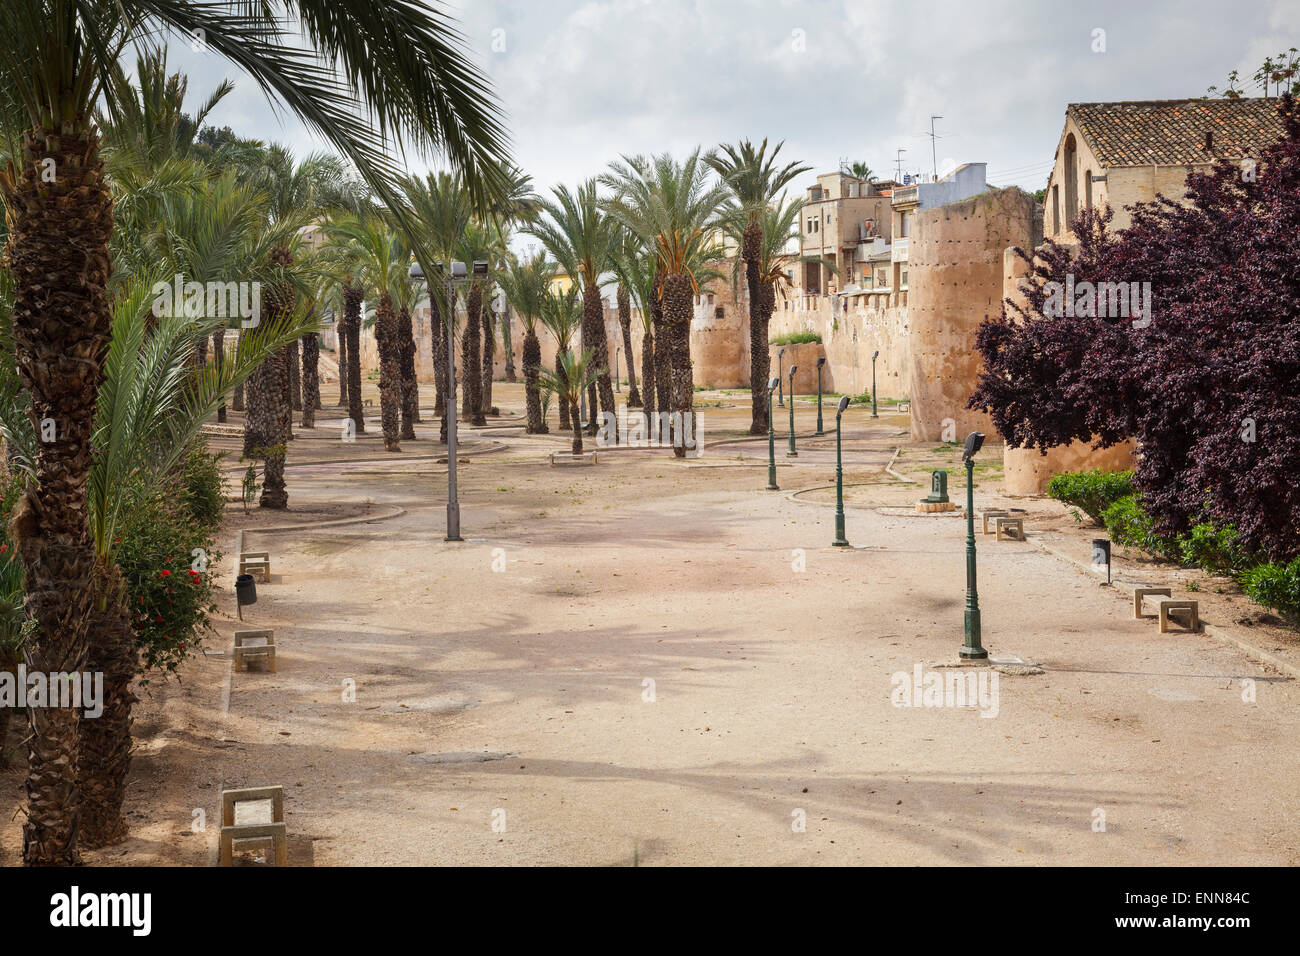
<point>1130,525</point>
<point>1092,491</point>
<point>203,487</point>
<point>1214,549</point>
<point>1276,586</point>
<point>797,338</point>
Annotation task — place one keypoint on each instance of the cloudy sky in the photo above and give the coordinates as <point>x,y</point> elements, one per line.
<point>585,80</point>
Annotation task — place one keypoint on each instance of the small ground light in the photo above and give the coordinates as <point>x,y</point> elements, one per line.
<point>840,540</point>
<point>1101,554</point>
<point>772,383</point>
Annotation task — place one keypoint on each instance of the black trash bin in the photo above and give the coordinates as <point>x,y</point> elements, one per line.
<point>245,589</point>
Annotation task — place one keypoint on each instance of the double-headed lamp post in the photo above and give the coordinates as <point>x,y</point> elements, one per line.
<point>820,362</point>
<point>771,436</point>
<point>780,377</point>
<point>840,541</point>
<point>792,453</point>
<point>874,356</point>
<point>971,649</point>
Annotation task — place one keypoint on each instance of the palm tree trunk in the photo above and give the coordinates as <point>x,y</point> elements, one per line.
<point>390,373</point>
<point>532,395</point>
<point>410,387</point>
<point>563,395</point>
<point>310,378</point>
<point>489,360</point>
<point>218,362</point>
<point>625,320</point>
<point>106,740</point>
<point>6,712</point>
<point>507,344</point>
<point>58,256</point>
<point>270,420</point>
<point>760,358</point>
<point>471,403</point>
<point>438,334</point>
<point>648,372</point>
<point>677,317</point>
<point>295,381</point>
<point>340,332</point>
<point>237,399</point>
<point>594,338</point>
<point>352,296</point>
<point>663,354</point>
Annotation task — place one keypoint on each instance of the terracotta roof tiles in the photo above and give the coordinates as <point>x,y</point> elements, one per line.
<point>1172,132</point>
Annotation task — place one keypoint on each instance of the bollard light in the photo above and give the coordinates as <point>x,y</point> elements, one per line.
<point>840,541</point>
<point>820,362</point>
<point>874,356</point>
<point>780,378</point>
<point>972,649</point>
<point>1101,555</point>
<point>771,436</point>
<point>792,453</point>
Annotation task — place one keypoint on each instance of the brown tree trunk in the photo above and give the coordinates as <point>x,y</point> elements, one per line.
<point>648,372</point>
<point>6,713</point>
<point>678,310</point>
<point>532,395</point>
<point>340,333</point>
<point>310,378</point>
<point>237,399</point>
<point>106,740</point>
<point>410,387</point>
<point>295,381</point>
<point>489,360</point>
<point>218,362</point>
<point>594,339</point>
<point>472,372</point>
<point>760,359</point>
<point>271,422</point>
<point>663,354</point>
<point>58,256</point>
<point>507,343</point>
<point>625,320</point>
<point>563,396</point>
<point>390,372</point>
<point>352,297</point>
<point>438,344</point>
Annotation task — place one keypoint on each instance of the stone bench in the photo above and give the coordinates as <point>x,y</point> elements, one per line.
<point>256,562</point>
<point>562,459</point>
<point>255,644</point>
<point>253,819</point>
<point>1004,527</point>
<point>992,513</point>
<point>1166,607</point>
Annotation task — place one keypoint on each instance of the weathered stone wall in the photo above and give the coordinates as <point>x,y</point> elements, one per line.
<point>956,271</point>
<point>851,328</point>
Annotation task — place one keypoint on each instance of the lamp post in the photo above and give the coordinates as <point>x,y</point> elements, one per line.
<point>618,386</point>
<point>780,377</point>
<point>771,436</point>
<point>874,355</point>
<point>820,362</point>
<point>840,541</point>
<point>792,453</point>
<point>971,649</point>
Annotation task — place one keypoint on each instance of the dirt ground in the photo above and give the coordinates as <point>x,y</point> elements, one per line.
<point>651,661</point>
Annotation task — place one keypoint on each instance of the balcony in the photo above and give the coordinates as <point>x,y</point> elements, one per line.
<point>898,249</point>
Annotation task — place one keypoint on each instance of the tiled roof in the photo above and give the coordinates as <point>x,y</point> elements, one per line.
<point>1172,132</point>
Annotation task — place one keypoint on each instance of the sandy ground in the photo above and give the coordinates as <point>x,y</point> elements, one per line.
<point>658,662</point>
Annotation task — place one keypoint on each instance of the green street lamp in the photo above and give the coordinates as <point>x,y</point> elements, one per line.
<point>971,650</point>
<point>820,362</point>
<point>840,541</point>
<point>780,377</point>
<point>792,453</point>
<point>771,437</point>
<point>874,356</point>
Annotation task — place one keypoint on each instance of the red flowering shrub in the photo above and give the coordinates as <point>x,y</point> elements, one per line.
<point>1209,386</point>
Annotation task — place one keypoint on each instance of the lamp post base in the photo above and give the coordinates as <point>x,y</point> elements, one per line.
<point>840,544</point>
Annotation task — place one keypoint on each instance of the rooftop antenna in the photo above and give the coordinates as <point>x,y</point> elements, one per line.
<point>898,165</point>
<point>934,162</point>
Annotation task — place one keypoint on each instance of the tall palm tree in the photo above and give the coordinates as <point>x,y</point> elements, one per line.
<point>581,238</point>
<point>755,180</point>
<point>674,208</point>
<point>498,256</point>
<point>781,233</point>
<point>562,316</point>
<point>626,244</point>
<point>382,69</point>
<point>406,296</point>
<point>526,285</point>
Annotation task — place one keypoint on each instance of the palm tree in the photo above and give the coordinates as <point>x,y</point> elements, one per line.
<point>562,316</point>
<point>406,296</point>
<point>626,244</point>
<point>673,208</point>
<point>634,265</point>
<point>581,238</point>
<point>755,181</point>
<point>526,285</point>
<point>571,376</point>
<point>859,169</point>
<point>515,205</point>
<point>476,243</point>
<point>382,69</point>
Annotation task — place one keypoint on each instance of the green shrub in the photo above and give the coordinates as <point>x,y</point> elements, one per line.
<point>1092,491</point>
<point>797,338</point>
<point>1214,549</point>
<point>203,487</point>
<point>1276,586</point>
<point>1130,525</point>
